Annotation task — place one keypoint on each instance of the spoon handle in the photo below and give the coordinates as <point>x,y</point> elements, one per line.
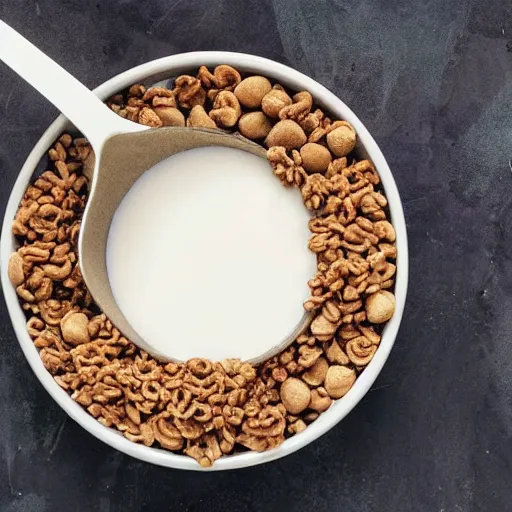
<point>71,97</point>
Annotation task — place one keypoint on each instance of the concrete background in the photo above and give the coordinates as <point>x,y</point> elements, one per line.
<point>432,80</point>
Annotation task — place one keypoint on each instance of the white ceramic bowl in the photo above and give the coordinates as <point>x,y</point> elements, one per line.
<point>152,72</point>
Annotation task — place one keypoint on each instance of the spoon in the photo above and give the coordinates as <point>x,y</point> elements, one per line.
<point>118,144</point>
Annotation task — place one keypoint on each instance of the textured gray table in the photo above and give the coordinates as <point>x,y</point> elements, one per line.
<point>433,83</point>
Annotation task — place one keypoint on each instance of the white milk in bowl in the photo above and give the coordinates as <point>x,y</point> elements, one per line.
<point>207,256</point>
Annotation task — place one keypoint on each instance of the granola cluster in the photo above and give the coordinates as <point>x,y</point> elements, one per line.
<point>201,408</point>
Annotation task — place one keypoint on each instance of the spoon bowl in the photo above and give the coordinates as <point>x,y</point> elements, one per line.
<point>135,153</point>
<point>123,150</point>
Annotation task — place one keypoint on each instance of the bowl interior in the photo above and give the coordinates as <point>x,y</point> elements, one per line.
<point>161,70</point>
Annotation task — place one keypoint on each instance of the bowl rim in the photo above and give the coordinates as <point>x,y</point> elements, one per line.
<point>172,65</point>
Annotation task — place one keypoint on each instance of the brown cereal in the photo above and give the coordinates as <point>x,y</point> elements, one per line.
<point>286,168</point>
<point>149,117</point>
<point>226,109</point>
<point>360,350</point>
<point>189,91</point>
<point>170,116</point>
<point>254,125</point>
<point>302,103</point>
<point>315,375</point>
<point>380,307</point>
<point>320,400</point>
<point>250,92</point>
<point>295,395</point>
<point>223,78</point>
<point>315,157</point>
<point>198,118</point>
<point>74,328</point>
<point>342,138</point>
<point>15,269</point>
<point>286,133</point>
<point>274,101</point>
<point>335,354</point>
<point>200,408</point>
<point>339,380</point>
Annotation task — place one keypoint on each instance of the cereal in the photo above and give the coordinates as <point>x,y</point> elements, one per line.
<point>315,375</point>
<point>302,103</point>
<point>149,117</point>
<point>74,328</point>
<point>320,400</point>
<point>200,408</point>
<point>226,110</point>
<point>335,354</point>
<point>342,138</point>
<point>274,101</point>
<point>15,269</point>
<point>254,125</point>
<point>251,91</point>
<point>380,306</point>
<point>295,395</point>
<point>315,157</point>
<point>198,118</point>
<point>224,78</point>
<point>189,91</point>
<point>286,133</point>
<point>339,380</point>
<point>170,116</point>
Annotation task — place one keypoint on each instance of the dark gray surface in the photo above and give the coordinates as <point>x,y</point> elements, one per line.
<point>433,82</point>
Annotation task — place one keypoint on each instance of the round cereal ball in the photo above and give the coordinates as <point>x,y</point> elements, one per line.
<point>251,91</point>
<point>274,101</point>
<point>315,157</point>
<point>380,307</point>
<point>286,133</point>
<point>254,125</point>
<point>74,327</point>
<point>342,140</point>
<point>295,395</point>
<point>338,380</point>
<point>15,269</point>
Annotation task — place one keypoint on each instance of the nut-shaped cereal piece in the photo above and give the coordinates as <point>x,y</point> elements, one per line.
<point>335,354</point>
<point>170,116</point>
<point>339,380</point>
<point>385,230</point>
<point>320,326</point>
<point>380,307</point>
<point>297,427</point>
<point>226,77</point>
<point>15,269</point>
<point>274,101</point>
<point>320,402</point>
<point>74,328</point>
<point>295,395</point>
<point>226,109</point>
<point>315,157</point>
<point>254,125</point>
<point>148,117</point>
<point>342,140</point>
<point>198,118</point>
<point>251,91</point>
<point>315,375</point>
<point>286,133</point>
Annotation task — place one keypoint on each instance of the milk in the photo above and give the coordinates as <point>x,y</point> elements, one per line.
<point>207,255</point>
